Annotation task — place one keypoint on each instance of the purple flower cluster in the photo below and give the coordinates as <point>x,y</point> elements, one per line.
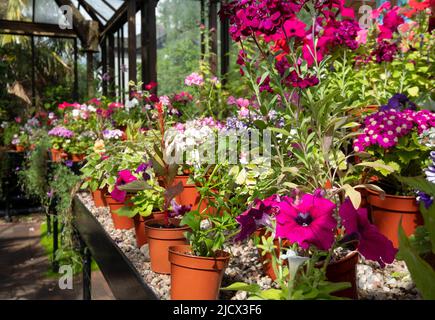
<point>345,33</point>
<point>385,51</point>
<point>399,102</point>
<point>384,128</point>
<point>61,132</point>
<point>430,176</point>
<point>112,134</point>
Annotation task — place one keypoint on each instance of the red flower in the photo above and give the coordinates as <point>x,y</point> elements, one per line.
<point>150,86</point>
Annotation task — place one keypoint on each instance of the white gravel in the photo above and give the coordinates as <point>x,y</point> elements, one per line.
<point>393,282</point>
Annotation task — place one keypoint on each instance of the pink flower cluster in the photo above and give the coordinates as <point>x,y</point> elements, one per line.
<point>61,132</point>
<point>194,79</point>
<point>385,128</point>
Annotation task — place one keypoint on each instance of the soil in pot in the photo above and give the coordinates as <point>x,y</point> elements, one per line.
<point>386,214</point>
<point>196,278</point>
<point>99,198</point>
<point>119,222</point>
<point>160,237</point>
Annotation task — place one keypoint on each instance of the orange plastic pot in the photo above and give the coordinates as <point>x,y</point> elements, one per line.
<point>159,215</point>
<point>19,148</point>
<point>77,157</point>
<point>57,155</point>
<point>119,222</point>
<point>386,214</point>
<point>99,198</point>
<point>344,270</point>
<point>139,228</point>
<point>160,239</point>
<point>190,195</point>
<point>196,278</point>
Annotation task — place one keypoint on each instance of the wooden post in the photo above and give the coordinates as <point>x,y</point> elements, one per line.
<point>111,57</point>
<point>104,65</point>
<point>149,42</point>
<point>90,73</point>
<point>131,18</point>
<point>225,49</point>
<point>213,36</point>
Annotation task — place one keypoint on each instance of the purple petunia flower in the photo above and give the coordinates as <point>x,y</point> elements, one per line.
<point>178,210</point>
<point>372,244</point>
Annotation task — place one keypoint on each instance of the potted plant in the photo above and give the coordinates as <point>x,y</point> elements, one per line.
<point>145,204</point>
<point>200,265</point>
<point>392,138</point>
<point>60,138</point>
<point>312,243</point>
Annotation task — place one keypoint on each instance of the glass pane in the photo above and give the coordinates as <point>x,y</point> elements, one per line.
<point>178,42</point>
<point>82,11</point>
<point>20,10</point>
<point>54,67</point>
<point>47,11</point>
<point>101,8</point>
<point>16,74</point>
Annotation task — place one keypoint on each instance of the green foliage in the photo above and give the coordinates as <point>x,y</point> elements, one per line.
<point>207,235</point>
<point>34,175</point>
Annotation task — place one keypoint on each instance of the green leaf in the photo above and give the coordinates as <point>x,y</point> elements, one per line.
<point>137,185</point>
<point>419,183</point>
<point>422,273</point>
<point>271,294</point>
<point>126,211</point>
<point>240,286</point>
<point>413,92</point>
<point>353,195</point>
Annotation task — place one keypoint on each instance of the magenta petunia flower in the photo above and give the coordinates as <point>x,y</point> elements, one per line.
<point>307,222</point>
<point>257,216</point>
<point>372,244</point>
<point>124,177</point>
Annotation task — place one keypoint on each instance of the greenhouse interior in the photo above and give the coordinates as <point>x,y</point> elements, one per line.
<point>229,150</point>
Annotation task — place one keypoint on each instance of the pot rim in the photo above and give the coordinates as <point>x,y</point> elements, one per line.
<point>173,250</point>
<point>348,257</point>
<point>376,193</point>
<point>163,229</point>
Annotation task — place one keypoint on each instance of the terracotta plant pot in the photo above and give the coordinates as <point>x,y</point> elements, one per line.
<point>360,112</point>
<point>139,228</point>
<point>190,195</point>
<point>120,222</point>
<point>196,278</point>
<point>57,155</point>
<point>77,157</point>
<point>99,198</point>
<point>386,214</point>
<point>159,215</point>
<point>344,270</point>
<point>20,148</point>
<point>160,239</point>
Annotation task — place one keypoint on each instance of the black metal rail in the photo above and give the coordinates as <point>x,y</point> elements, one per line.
<point>123,278</point>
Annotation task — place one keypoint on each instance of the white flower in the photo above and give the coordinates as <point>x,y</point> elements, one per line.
<point>76,113</point>
<point>205,224</point>
<point>294,262</point>
<point>92,109</point>
<point>130,104</point>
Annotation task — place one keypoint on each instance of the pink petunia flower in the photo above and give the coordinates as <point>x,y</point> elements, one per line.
<point>124,177</point>
<point>307,222</point>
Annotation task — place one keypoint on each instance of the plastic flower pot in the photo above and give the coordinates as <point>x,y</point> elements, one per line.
<point>387,212</point>
<point>77,157</point>
<point>344,270</point>
<point>160,237</point>
<point>139,227</point>
<point>119,222</point>
<point>196,278</point>
<point>99,198</point>
<point>19,148</point>
<point>190,195</point>
<point>57,155</point>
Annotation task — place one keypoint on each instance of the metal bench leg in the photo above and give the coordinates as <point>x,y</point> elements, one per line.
<point>86,260</point>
